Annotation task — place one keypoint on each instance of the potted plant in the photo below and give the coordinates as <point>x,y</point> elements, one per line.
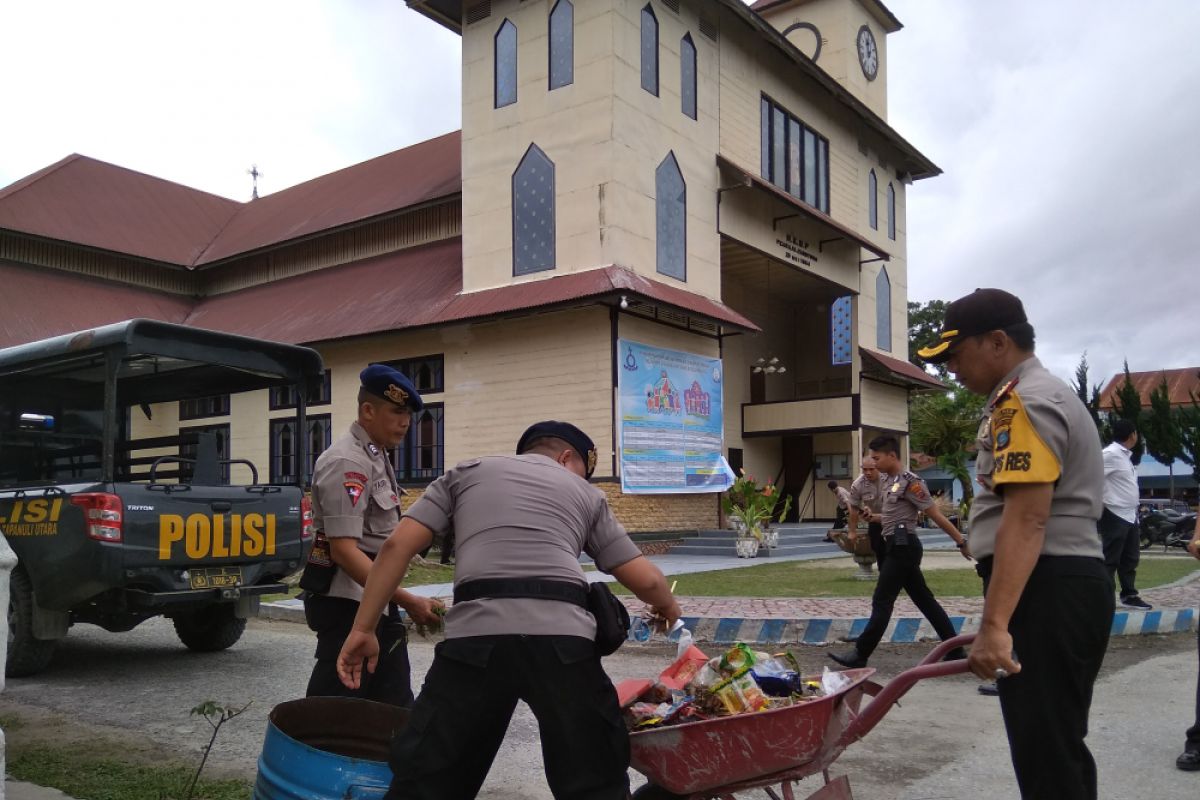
<point>751,508</point>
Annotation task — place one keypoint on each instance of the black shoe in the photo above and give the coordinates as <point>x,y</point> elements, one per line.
<point>1133,601</point>
<point>988,689</point>
<point>1189,760</point>
<point>849,659</point>
<point>957,654</point>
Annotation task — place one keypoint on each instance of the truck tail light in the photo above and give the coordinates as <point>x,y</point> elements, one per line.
<point>306,519</point>
<point>103,514</point>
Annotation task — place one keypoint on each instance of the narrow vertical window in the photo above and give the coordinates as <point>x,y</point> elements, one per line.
<point>562,44</point>
<point>822,174</point>
<point>649,51</point>
<point>795,176</point>
<point>778,147</point>
<point>687,75</point>
<point>873,200</point>
<point>533,213</point>
<point>809,195</point>
<point>765,141</point>
<point>883,310</point>
<point>841,332</point>
<point>891,211</point>
<point>506,64</point>
<point>671,218</point>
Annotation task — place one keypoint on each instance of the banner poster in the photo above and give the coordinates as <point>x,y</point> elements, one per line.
<point>671,435</point>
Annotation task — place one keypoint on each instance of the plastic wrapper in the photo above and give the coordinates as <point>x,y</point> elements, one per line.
<point>781,685</point>
<point>740,694</point>
<point>684,669</point>
<point>832,681</point>
<point>737,658</point>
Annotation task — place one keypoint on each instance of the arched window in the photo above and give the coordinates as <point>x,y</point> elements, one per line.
<point>891,209</point>
<point>649,51</point>
<point>841,333</point>
<point>562,44</point>
<point>671,218</point>
<point>506,64</point>
<point>883,310</point>
<point>533,213</point>
<point>873,200</point>
<point>687,75</point>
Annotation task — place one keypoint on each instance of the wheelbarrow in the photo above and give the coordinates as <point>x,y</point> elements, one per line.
<point>767,749</point>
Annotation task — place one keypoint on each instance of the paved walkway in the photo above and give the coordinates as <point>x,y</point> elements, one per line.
<point>808,620</point>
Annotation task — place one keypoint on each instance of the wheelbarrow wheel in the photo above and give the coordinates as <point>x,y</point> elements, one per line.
<point>652,792</point>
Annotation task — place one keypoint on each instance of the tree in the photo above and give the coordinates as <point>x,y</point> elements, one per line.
<point>1129,406</point>
<point>944,426</point>
<point>1089,396</point>
<point>1161,431</point>
<point>924,326</point>
<point>1189,436</point>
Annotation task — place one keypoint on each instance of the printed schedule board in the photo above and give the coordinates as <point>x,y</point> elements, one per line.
<point>671,435</point>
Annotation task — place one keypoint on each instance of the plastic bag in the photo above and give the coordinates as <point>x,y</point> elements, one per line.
<point>833,682</point>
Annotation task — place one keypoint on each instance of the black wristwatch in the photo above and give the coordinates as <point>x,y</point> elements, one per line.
<point>962,544</point>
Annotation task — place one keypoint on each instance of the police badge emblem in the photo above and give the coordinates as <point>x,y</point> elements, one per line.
<point>396,394</point>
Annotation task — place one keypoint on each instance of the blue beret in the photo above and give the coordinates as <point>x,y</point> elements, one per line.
<point>568,433</point>
<point>391,384</point>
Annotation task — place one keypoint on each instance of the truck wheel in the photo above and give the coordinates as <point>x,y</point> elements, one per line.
<point>26,654</point>
<point>209,629</point>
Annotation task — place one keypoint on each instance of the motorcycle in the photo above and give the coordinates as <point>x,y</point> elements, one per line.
<point>1165,528</point>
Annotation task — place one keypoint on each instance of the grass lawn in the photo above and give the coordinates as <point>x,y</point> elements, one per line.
<point>805,579</point>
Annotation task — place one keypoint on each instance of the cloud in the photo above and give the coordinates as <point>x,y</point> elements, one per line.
<point>1065,131</point>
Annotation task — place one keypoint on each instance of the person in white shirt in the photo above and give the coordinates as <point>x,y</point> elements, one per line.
<point>1118,525</point>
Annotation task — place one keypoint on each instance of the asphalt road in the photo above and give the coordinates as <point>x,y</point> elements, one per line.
<point>945,741</point>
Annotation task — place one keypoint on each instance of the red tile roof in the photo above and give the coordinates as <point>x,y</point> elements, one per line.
<point>45,293</point>
<point>900,369</point>
<point>89,202</point>
<point>1182,385</point>
<point>426,171</point>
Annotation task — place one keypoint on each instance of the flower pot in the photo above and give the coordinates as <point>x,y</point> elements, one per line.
<point>770,538</point>
<point>747,547</point>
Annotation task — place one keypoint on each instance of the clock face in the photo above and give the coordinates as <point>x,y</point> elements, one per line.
<point>868,54</point>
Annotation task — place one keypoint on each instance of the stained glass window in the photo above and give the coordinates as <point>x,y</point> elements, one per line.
<point>873,200</point>
<point>506,64</point>
<point>841,331</point>
<point>671,218</point>
<point>533,213</point>
<point>687,75</point>
<point>649,51</point>
<point>562,44</point>
<point>883,310</point>
<point>891,209</point>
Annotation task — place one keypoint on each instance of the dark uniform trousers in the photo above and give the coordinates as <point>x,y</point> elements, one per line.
<point>1193,734</point>
<point>878,545</point>
<point>1122,550</point>
<point>332,618</point>
<point>901,569</point>
<point>464,708</point>
<point>1060,631</point>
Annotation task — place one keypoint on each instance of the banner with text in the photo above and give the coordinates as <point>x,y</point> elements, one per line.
<point>671,435</point>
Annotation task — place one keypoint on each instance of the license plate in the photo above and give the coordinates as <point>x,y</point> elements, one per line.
<point>216,577</point>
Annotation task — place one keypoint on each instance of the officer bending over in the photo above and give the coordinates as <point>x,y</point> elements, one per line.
<point>356,504</point>
<point>517,630</point>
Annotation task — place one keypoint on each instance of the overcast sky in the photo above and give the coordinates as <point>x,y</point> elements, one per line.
<point>1065,130</point>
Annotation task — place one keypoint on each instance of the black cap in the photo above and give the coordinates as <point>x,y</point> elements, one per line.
<point>391,384</point>
<point>981,311</point>
<point>578,440</point>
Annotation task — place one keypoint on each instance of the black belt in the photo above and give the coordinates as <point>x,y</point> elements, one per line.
<point>537,588</point>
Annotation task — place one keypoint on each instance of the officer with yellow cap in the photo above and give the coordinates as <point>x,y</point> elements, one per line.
<point>520,628</point>
<point>356,505</point>
<point>1048,600</point>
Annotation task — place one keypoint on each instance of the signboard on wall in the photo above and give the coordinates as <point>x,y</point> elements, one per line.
<point>671,421</point>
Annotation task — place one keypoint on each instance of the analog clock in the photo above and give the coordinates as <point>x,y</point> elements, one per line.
<point>868,53</point>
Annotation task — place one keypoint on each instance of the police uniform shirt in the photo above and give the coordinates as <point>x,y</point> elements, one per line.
<point>521,516</point>
<point>904,497</point>
<point>868,493</point>
<point>355,496</point>
<point>1036,430</point>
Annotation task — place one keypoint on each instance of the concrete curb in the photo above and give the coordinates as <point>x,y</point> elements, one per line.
<point>827,630</point>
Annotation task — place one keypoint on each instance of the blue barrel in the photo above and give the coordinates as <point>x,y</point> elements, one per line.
<point>327,747</point>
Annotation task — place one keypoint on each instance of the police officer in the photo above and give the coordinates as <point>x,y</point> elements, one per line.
<point>866,501</point>
<point>904,496</point>
<point>356,504</point>
<point>1048,599</point>
<point>517,630</point>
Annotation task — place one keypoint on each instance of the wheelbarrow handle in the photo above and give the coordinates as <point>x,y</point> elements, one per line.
<point>931,666</point>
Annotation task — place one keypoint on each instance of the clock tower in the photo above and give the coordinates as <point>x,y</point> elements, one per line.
<point>846,38</point>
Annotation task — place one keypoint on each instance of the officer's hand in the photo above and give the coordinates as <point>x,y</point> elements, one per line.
<point>358,648</point>
<point>852,535</point>
<point>1194,547</point>
<point>966,552</point>
<point>667,614</point>
<point>992,650</point>
<point>422,610</point>
<point>866,514</point>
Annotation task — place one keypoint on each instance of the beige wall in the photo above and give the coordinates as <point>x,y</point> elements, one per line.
<point>798,414</point>
<point>884,406</point>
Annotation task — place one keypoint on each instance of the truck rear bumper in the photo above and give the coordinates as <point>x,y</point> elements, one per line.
<point>143,600</point>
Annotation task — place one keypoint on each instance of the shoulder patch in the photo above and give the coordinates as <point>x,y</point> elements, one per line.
<point>355,476</point>
<point>917,490</point>
<point>354,491</point>
<point>1021,454</point>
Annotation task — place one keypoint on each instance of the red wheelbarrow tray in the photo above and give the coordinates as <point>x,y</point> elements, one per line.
<point>747,751</point>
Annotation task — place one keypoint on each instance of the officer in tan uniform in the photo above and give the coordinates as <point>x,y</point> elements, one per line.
<point>519,628</point>
<point>356,505</point>
<point>1048,598</point>
<point>904,496</point>
<point>866,502</point>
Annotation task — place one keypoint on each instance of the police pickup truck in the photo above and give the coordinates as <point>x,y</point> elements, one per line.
<point>120,507</point>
